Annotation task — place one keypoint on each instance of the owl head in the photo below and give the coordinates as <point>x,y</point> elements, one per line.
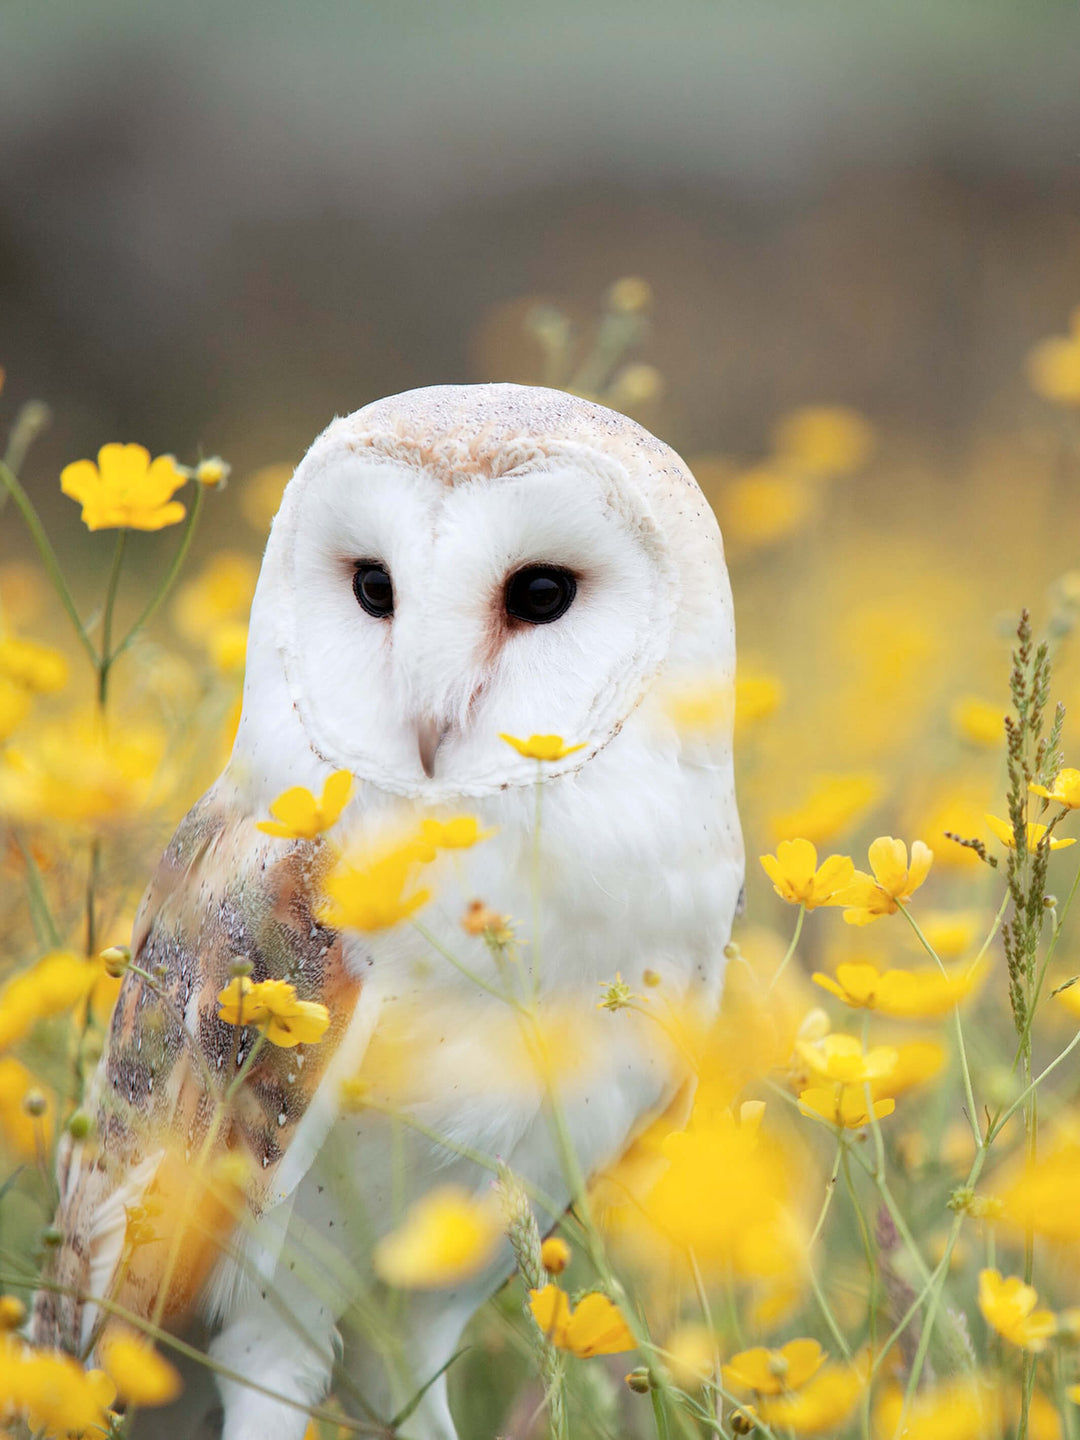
<point>459,562</point>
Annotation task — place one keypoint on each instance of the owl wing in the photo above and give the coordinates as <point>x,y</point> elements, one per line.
<point>190,1135</point>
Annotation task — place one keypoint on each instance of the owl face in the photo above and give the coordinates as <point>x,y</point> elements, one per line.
<point>425,615</point>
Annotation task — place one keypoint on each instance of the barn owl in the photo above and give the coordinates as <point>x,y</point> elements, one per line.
<point>447,566</point>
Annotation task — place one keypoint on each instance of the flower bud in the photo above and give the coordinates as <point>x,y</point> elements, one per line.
<point>630,295</point>
<point>555,1254</point>
<point>639,1380</point>
<point>240,966</point>
<point>212,473</point>
<point>12,1313</point>
<point>52,1237</point>
<point>35,1104</point>
<point>116,960</point>
<point>744,1420</point>
<point>79,1125</point>
<point>650,978</point>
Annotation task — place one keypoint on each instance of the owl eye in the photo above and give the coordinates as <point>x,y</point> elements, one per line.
<point>373,588</point>
<point>540,594</point>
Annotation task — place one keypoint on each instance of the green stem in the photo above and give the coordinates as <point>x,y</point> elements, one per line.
<point>29,423</point>
<point>170,575</point>
<point>791,948</point>
<point>107,618</point>
<point>1025,1034</point>
<point>1006,1115</point>
<point>48,556</point>
<point>965,1070</point>
<point>44,924</point>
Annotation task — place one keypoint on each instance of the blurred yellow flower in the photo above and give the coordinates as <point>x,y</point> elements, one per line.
<point>262,494</point>
<point>73,772</point>
<point>445,1237</point>
<point>124,489</point>
<point>798,879</point>
<point>951,932</point>
<point>1064,791</point>
<point>629,295</point>
<point>226,644</point>
<point>223,591</point>
<point>842,1058</point>
<point>843,1105</point>
<point>833,805</point>
<point>371,892</point>
<point>141,1376</point>
<point>1042,1197</point>
<point>982,722</point>
<point>1009,1306</point>
<point>52,1391</point>
<point>52,985</point>
<point>869,897</point>
<point>555,1254</point>
<point>14,707</point>
<point>823,439</point>
<point>699,708</point>
<point>299,816</point>
<point>959,1409</point>
<point>595,1326</point>
<point>749,1229</point>
<point>1053,366</point>
<point>37,668</point>
<point>1004,831</point>
<point>820,1407</point>
<point>272,1005</point>
<point>904,994</point>
<point>756,698</point>
<point>542,747</point>
<point>917,1061</point>
<point>762,506</point>
<point>691,1353</point>
<point>770,1372</point>
<point>956,808</point>
<point>460,833</point>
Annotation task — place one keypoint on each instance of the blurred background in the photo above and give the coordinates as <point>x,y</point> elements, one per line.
<point>220,226</point>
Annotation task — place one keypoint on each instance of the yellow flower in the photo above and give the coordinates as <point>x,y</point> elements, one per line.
<point>480,919</point>
<point>445,1237</point>
<point>701,707</point>
<point>1009,1307</point>
<point>893,881</point>
<point>51,1391</point>
<point>54,984</point>
<point>1004,831</point>
<point>371,893</point>
<point>262,494</point>
<point>226,645</point>
<point>1053,366</point>
<point>555,1254</point>
<point>770,1372</point>
<point>823,440</point>
<point>222,592</point>
<point>1065,790</point>
<point>301,817</point>
<point>842,1059</point>
<point>73,773</point>
<point>820,1407</point>
<point>756,698</point>
<point>980,721</point>
<point>595,1326</point>
<point>917,1061</point>
<point>797,878</point>
<point>542,747</point>
<point>14,707</point>
<point>1043,1196</point>
<point>843,1105</point>
<point>461,833</point>
<point>834,803</point>
<point>904,994</point>
<point>951,932</point>
<point>691,1354</point>
<point>124,489</point>
<point>37,668</point>
<point>763,505</point>
<point>140,1374</point>
<point>272,1006</point>
<point>960,1409</point>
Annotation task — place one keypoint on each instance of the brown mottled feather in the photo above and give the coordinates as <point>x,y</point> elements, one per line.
<point>223,892</point>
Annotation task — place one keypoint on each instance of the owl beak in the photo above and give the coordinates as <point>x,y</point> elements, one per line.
<point>429,736</point>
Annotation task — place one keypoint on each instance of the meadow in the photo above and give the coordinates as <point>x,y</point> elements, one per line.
<point>861,1219</point>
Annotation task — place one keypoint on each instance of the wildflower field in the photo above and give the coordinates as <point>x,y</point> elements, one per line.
<point>861,1215</point>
